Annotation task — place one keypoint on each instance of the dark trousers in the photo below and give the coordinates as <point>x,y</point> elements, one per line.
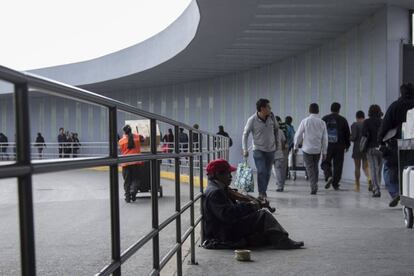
<point>60,152</point>
<point>334,162</point>
<point>131,175</point>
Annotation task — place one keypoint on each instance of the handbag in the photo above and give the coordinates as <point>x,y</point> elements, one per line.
<point>244,178</point>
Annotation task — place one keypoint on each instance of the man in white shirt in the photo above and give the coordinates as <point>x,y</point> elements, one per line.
<point>313,137</point>
<point>262,125</point>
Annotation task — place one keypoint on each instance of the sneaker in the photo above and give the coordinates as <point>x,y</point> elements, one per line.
<point>279,190</point>
<point>133,197</point>
<point>328,182</point>
<point>394,201</point>
<point>287,244</point>
<point>377,194</point>
<point>336,188</point>
<point>127,200</point>
<point>313,192</point>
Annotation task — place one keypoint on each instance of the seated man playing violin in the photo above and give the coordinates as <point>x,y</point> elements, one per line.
<point>232,220</point>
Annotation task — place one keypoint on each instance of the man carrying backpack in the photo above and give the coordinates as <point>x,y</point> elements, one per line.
<point>338,142</point>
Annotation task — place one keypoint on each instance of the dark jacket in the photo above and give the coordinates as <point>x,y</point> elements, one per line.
<point>394,117</point>
<point>4,142</point>
<point>224,219</point>
<point>40,142</point>
<point>340,124</point>
<point>370,130</point>
<point>396,114</point>
<point>225,134</point>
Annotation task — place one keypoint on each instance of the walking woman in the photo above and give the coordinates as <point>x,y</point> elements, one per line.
<point>374,156</point>
<point>360,158</point>
<point>130,144</point>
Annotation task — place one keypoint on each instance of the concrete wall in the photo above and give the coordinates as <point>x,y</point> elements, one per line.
<point>351,70</point>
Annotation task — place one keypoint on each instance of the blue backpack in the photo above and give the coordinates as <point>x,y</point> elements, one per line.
<point>332,129</point>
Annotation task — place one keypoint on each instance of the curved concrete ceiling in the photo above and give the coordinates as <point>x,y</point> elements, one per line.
<point>140,57</point>
<point>236,35</point>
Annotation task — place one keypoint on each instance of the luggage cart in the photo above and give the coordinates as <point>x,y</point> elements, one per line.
<point>406,179</point>
<point>145,177</point>
<point>296,164</point>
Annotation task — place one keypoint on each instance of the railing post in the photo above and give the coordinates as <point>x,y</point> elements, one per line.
<point>201,176</point>
<point>154,197</point>
<point>192,241</point>
<point>208,149</point>
<point>114,190</point>
<point>25,193</point>
<point>178,199</point>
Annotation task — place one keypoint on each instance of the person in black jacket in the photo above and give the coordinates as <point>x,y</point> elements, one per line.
<point>374,156</point>
<point>338,142</point>
<point>40,144</point>
<point>61,142</point>
<point>237,224</point>
<point>394,117</point>
<point>4,144</point>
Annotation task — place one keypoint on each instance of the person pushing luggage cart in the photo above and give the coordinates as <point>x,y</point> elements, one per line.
<point>130,144</point>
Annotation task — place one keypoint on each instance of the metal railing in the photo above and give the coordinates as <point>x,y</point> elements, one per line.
<point>24,168</point>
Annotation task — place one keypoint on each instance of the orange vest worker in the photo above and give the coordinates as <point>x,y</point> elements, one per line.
<point>123,145</point>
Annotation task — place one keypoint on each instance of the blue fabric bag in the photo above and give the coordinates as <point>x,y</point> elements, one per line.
<point>244,178</point>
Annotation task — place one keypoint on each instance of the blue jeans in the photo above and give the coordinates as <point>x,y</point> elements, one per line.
<point>391,179</point>
<point>264,162</point>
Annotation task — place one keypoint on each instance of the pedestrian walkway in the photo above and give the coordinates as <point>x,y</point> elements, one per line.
<point>72,224</point>
<point>345,233</point>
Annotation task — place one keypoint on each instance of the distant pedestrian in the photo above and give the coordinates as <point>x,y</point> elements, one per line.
<point>4,144</point>
<point>338,142</point>
<point>221,132</point>
<point>312,137</point>
<point>290,130</point>
<point>183,138</point>
<point>374,156</point>
<point>75,145</point>
<point>40,145</point>
<point>360,158</point>
<point>168,140</point>
<point>68,145</point>
<point>61,142</point>
<point>281,161</point>
<point>196,143</point>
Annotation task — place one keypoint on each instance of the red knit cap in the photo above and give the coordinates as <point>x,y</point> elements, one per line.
<point>219,166</point>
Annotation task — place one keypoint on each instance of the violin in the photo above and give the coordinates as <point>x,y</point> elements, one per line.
<point>237,196</point>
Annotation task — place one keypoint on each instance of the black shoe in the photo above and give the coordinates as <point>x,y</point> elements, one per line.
<point>313,192</point>
<point>127,199</point>
<point>336,188</point>
<point>394,201</point>
<point>134,197</point>
<point>328,182</point>
<point>289,244</point>
<point>279,190</point>
<point>377,194</point>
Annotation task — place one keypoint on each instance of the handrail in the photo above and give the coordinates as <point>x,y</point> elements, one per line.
<point>25,166</point>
